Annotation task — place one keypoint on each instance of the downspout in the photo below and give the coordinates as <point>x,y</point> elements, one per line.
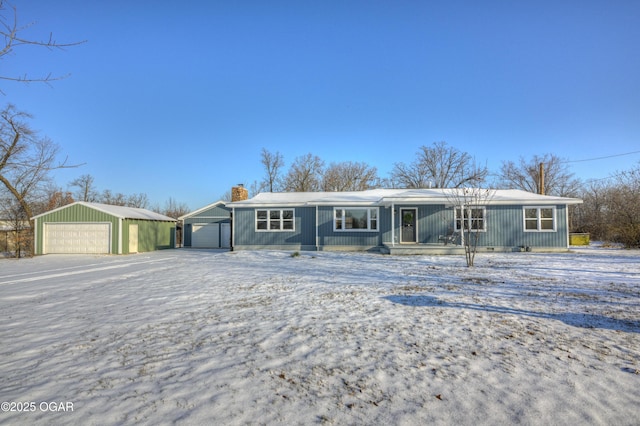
<point>463,223</point>
<point>233,227</point>
<point>566,218</point>
<point>393,225</point>
<point>317,234</point>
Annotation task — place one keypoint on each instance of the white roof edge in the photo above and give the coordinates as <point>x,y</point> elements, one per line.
<point>193,213</point>
<point>265,204</point>
<point>112,210</point>
<point>388,197</point>
<point>57,209</point>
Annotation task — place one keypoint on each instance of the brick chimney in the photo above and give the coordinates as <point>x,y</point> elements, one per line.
<point>239,193</point>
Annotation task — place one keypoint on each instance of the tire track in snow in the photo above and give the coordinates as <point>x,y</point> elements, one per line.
<point>67,273</point>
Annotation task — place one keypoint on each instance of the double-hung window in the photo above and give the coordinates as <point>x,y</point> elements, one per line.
<point>471,218</point>
<point>539,219</point>
<point>355,219</point>
<point>275,220</point>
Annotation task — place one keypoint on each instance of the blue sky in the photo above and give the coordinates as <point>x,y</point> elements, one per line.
<point>177,99</point>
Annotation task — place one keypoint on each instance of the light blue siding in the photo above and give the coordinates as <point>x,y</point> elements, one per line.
<point>504,229</point>
<point>302,237</point>
<point>216,214</point>
<point>328,237</point>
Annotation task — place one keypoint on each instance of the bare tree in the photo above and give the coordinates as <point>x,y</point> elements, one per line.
<point>86,190</point>
<point>273,164</point>
<point>140,201</point>
<point>349,176</point>
<point>305,174</point>
<point>412,175</point>
<point>117,199</point>
<point>58,198</point>
<point>624,208</point>
<point>19,227</point>
<point>525,175</point>
<point>590,216</point>
<point>11,33</point>
<point>25,158</point>
<point>470,217</point>
<point>439,166</point>
<point>174,209</point>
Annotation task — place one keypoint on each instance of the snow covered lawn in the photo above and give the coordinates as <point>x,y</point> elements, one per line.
<point>261,337</point>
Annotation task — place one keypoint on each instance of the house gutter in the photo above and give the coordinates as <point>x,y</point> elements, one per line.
<point>233,227</point>
<point>566,218</point>
<point>393,225</point>
<point>317,233</point>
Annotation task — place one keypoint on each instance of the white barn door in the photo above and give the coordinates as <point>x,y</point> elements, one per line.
<point>133,238</point>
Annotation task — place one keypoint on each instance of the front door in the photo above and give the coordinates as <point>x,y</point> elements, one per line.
<point>408,234</point>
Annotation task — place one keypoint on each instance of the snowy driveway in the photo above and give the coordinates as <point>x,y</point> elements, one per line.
<point>193,337</point>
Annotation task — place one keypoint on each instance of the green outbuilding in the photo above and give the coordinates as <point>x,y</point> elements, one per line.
<point>92,228</point>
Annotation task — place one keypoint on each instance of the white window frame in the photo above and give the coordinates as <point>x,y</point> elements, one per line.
<point>469,219</point>
<point>280,220</point>
<point>539,218</point>
<point>343,214</point>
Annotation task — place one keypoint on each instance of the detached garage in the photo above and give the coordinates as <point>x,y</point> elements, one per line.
<point>208,227</point>
<point>92,228</point>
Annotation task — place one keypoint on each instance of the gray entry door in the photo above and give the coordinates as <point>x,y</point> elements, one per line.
<point>409,234</point>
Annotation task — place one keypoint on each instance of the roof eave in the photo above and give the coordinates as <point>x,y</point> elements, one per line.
<point>200,210</point>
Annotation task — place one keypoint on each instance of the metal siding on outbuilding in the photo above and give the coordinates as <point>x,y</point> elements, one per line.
<point>75,214</point>
<point>152,234</point>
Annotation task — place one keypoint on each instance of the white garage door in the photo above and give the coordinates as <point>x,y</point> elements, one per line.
<point>205,235</point>
<point>77,238</point>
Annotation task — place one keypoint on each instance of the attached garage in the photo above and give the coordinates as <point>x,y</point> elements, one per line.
<point>92,228</point>
<point>208,227</point>
<point>205,235</point>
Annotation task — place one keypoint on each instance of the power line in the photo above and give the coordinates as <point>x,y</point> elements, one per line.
<point>601,158</point>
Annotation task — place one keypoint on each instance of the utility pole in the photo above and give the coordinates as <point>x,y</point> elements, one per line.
<point>541,179</point>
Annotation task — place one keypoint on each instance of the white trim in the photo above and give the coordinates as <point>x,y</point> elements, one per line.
<point>116,211</point>
<point>393,225</point>
<point>44,233</point>
<point>209,217</point>
<point>35,237</point>
<point>415,219</point>
<point>566,219</point>
<point>539,219</point>
<point>484,218</point>
<point>281,220</point>
<point>195,212</point>
<point>317,231</point>
<point>386,197</point>
<point>367,209</point>
<point>233,228</point>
